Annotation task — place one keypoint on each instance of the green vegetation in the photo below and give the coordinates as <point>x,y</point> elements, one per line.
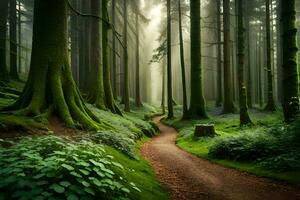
<point>51,167</point>
<point>269,148</point>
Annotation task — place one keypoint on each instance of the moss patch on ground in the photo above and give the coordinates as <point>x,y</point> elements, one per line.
<point>228,125</point>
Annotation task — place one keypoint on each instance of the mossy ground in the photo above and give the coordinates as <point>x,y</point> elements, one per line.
<point>228,125</point>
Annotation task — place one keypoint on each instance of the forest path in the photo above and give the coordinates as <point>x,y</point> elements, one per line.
<point>188,177</point>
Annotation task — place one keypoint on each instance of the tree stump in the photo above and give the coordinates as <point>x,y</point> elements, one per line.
<point>205,130</point>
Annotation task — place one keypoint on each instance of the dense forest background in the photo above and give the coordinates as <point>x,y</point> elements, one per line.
<point>86,84</point>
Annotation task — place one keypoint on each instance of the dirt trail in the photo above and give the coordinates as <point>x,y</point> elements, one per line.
<point>188,177</point>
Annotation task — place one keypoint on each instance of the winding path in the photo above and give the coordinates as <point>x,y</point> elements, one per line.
<point>188,177</point>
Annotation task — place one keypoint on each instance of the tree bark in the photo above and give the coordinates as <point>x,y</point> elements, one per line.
<point>50,85</point>
<point>244,115</point>
<point>138,101</point>
<point>197,104</point>
<point>13,39</point>
<point>4,78</point>
<point>290,80</point>
<point>219,55</point>
<point>228,106</point>
<point>96,91</point>
<point>182,63</point>
<point>114,49</point>
<point>74,43</point>
<point>271,102</point>
<point>126,67</point>
<point>109,98</point>
<point>169,62</point>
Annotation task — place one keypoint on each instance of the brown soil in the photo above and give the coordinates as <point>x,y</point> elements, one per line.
<point>188,177</point>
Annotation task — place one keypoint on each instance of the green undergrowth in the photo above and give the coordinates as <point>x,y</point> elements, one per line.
<point>52,167</point>
<point>268,148</point>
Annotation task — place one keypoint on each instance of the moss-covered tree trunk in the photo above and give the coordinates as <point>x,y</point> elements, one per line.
<point>74,42</point>
<point>182,63</point>
<point>244,115</point>
<point>138,101</point>
<point>114,50</point>
<point>270,101</point>
<point>169,62</point>
<point>96,93</point>
<point>13,39</point>
<point>50,85</point>
<point>290,80</point>
<point>228,106</point>
<point>126,67</point>
<point>219,56</point>
<point>109,98</point>
<point>197,103</point>
<point>3,29</point>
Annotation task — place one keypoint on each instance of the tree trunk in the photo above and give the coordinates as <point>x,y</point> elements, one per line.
<point>3,29</point>
<point>244,116</point>
<point>228,106</point>
<point>114,49</point>
<point>126,67</point>
<point>169,67</point>
<point>74,43</point>
<point>271,102</point>
<point>197,105</point>
<point>109,98</point>
<point>182,63</point>
<point>219,55</point>
<point>163,99</point>
<point>13,39</point>
<point>96,93</point>
<point>138,101</point>
<point>50,85</point>
<point>290,80</point>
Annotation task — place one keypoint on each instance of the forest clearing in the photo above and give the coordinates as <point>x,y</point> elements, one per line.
<point>145,100</point>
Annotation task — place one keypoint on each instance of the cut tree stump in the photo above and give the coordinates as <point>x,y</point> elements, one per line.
<point>205,130</point>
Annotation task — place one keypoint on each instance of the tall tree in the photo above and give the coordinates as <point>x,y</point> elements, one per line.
<point>13,39</point>
<point>109,98</point>
<point>126,67</point>
<point>182,62</point>
<point>114,49</point>
<point>50,86</point>
<point>3,30</point>
<point>244,115</point>
<point>290,80</point>
<point>228,106</point>
<point>169,62</point>
<point>270,102</point>
<point>97,94</point>
<point>74,42</point>
<point>197,104</point>
<point>138,101</point>
<point>219,56</point>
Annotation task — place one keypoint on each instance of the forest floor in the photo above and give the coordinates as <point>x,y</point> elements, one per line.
<point>190,177</point>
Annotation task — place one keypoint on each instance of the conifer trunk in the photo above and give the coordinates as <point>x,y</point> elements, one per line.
<point>219,55</point>
<point>3,30</point>
<point>244,115</point>
<point>197,103</point>
<point>228,106</point>
<point>109,98</point>
<point>13,39</point>
<point>182,63</point>
<point>290,80</point>
<point>138,101</point>
<point>270,102</point>
<point>169,61</point>
<point>126,67</point>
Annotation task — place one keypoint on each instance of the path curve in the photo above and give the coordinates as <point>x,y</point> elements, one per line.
<point>188,177</point>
